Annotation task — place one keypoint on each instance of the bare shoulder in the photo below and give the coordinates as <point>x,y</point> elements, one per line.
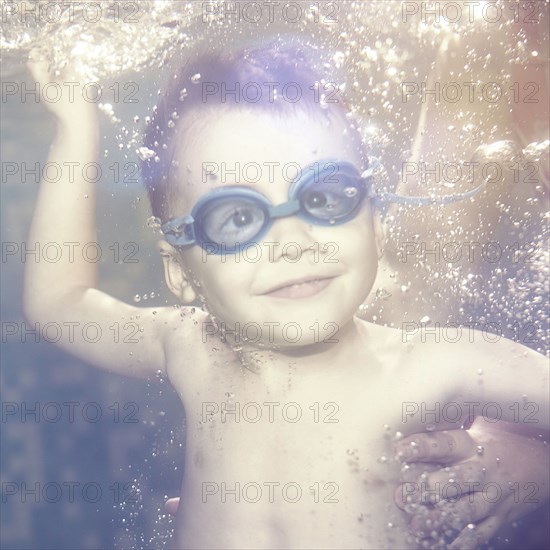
<point>426,351</point>
<point>385,335</point>
<point>179,323</point>
<point>466,365</point>
<point>190,331</point>
<point>383,340</point>
<point>469,348</point>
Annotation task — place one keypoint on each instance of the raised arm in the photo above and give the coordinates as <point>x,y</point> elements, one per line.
<point>119,337</point>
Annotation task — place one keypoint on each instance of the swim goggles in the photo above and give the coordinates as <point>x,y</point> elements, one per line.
<point>229,218</point>
<point>331,192</point>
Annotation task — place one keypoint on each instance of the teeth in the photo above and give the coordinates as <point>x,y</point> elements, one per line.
<point>304,283</point>
<point>298,285</point>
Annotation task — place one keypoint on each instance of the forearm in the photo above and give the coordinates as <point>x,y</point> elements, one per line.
<point>65,215</point>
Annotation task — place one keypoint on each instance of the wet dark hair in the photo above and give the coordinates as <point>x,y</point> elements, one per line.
<point>282,63</point>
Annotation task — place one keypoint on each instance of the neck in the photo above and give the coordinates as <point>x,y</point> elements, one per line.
<point>310,359</point>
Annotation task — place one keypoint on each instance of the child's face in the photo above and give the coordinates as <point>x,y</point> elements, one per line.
<point>237,290</point>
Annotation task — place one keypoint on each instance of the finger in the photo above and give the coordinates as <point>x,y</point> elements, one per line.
<point>473,536</point>
<point>442,447</point>
<point>451,515</point>
<point>407,492</point>
<point>451,483</point>
<point>403,496</point>
<point>171,505</point>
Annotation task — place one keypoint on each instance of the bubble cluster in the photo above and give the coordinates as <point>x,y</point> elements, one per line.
<point>102,44</point>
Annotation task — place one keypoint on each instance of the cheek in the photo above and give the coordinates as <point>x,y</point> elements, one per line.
<point>356,241</point>
<point>219,277</point>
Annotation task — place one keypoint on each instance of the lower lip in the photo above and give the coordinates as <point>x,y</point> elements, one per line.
<point>303,290</point>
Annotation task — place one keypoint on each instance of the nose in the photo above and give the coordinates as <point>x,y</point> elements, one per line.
<point>292,238</point>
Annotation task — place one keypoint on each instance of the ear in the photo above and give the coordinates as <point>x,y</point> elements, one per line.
<point>174,273</point>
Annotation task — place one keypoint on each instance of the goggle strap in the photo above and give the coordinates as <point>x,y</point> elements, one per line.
<point>175,230</point>
<point>380,198</point>
<point>424,201</point>
<point>373,165</point>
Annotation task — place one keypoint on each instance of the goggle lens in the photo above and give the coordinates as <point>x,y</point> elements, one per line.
<point>331,200</point>
<point>231,221</point>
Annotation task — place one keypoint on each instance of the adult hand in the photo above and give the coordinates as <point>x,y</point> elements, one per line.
<point>493,474</point>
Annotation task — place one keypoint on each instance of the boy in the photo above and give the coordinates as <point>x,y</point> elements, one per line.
<point>292,403</point>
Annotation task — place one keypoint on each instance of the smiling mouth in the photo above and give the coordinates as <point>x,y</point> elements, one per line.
<point>300,289</point>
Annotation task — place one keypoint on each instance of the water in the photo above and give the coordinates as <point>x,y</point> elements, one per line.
<point>370,51</point>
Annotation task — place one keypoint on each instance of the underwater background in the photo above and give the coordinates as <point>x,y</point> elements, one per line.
<point>114,446</point>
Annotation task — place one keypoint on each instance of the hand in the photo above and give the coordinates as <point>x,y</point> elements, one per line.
<point>62,94</point>
<point>495,473</point>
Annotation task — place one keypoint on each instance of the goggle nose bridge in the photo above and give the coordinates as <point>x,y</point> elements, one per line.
<point>284,210</point>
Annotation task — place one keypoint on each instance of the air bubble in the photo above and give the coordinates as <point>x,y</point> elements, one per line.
<point>382,293</point>
<point>145,153</point>
<point>339,58</point>
<point>154,223</point>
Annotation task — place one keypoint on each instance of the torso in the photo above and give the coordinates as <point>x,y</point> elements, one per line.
<point>310,458</point>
